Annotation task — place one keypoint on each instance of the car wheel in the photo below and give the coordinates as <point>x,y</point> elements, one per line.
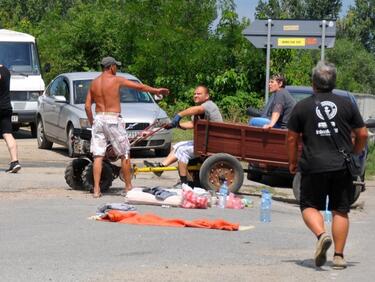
<point>105,179</point>
<point>69,142</point>
<point>33,130</point>
<point>73,173</point>
<point>163,152</point>
<point>218,167</point>
<point>41,138</point>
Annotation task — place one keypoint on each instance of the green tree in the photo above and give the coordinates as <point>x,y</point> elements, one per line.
<point>359,24</point>
<point>355,66</point>
<point>298,9</point>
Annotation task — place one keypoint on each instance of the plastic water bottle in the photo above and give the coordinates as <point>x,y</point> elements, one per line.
<point>327,213</point>
<point>265,206</point>
<point>223,192</point>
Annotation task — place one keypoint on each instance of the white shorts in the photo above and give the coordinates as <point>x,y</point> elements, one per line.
<point>109,128</point>
<point>184,151</point>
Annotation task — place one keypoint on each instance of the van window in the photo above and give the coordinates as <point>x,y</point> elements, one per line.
<point>20,57</point>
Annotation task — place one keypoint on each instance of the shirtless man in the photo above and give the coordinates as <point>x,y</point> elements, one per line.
<point>108,124</point>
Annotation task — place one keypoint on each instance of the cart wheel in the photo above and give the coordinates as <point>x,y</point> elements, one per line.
<point>221,166</point>
<point>105,179</point>
<point>73,173</point>
<point>297,186</point>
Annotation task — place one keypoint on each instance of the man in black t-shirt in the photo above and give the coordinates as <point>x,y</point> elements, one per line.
<point>5,119</point>
<point>322,166</point>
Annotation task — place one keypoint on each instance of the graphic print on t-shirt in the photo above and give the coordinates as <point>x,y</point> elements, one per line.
<point>330,109</point>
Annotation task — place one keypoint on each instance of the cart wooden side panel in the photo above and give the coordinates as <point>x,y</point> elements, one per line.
<point>252,144</point>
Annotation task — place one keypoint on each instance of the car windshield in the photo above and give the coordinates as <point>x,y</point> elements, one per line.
<point>20,57</point>
<point>127,95</point>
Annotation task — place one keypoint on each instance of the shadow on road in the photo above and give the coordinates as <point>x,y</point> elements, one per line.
<point>22,133</point>
<point>277,181</point>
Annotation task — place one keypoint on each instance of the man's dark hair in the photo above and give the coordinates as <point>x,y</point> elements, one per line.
<point>280,79</point>
<point>324,77</point>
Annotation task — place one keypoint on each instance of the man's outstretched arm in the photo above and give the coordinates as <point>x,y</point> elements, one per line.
<point>142,87</point>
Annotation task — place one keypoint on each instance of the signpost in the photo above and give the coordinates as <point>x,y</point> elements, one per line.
<point>291,34</point>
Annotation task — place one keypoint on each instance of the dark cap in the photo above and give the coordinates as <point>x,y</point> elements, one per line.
<point>109,61</point>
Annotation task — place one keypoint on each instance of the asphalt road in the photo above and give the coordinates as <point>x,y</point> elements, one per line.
<point>45,234</point>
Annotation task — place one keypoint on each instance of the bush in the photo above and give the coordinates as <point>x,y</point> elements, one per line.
<point>233,108</point>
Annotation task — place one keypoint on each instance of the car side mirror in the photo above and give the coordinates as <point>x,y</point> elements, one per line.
<point>370,123</point>
<point>60,99</point>
<point>47,67</point>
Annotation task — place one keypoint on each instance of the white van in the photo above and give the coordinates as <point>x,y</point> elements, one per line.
<point>18,52</point>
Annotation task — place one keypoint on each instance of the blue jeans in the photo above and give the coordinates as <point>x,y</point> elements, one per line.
<point>259,121</point>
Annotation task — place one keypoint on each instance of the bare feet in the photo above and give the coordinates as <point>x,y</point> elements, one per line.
<point>97,195</point>
<point>127,189</point>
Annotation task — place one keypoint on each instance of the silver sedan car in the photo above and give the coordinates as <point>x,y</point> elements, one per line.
<point>61,109</point>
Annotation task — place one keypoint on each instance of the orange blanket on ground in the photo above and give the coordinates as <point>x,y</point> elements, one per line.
<point>151,219</point>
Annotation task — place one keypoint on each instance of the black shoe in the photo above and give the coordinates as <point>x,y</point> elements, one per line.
<point>14,167</point>
<point>154,164</point>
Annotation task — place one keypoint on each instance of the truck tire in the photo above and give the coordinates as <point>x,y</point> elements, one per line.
<point>105,179</point>
<point>73,173</point>
<point>41,138</point>
<point>218,167</point>
<point>297,188</point>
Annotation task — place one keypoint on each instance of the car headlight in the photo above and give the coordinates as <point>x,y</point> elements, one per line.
<point>162,121</point>
<point>84,122</point>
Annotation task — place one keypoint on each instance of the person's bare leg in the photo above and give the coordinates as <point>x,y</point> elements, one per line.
<point>182,169</point>
<point>340,230</point>
<point>98,165</point>
<point>126,170</point>
<point>170,159</point>
<point>313,220</point>
<point>12,146</point>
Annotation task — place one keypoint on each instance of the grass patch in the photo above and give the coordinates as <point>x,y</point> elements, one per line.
<point>181,135</point>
